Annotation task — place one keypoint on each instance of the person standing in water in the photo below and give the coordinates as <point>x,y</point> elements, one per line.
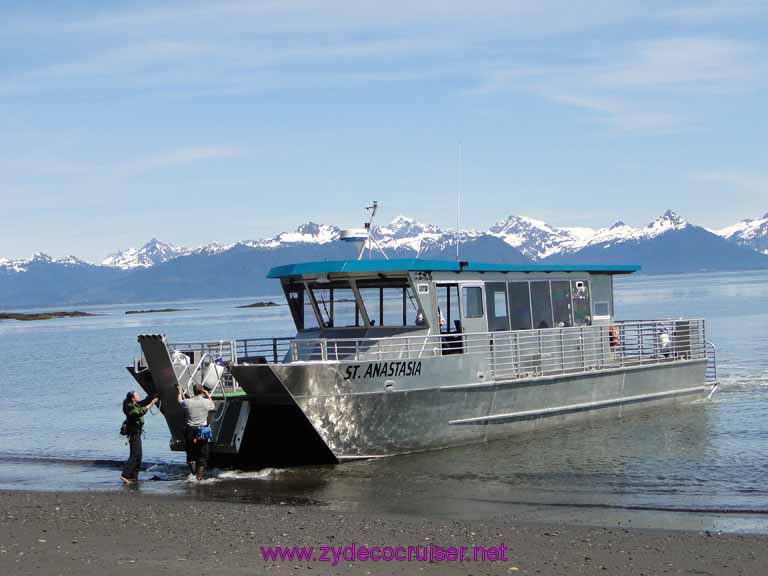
<point>197,433</point>
<point>134,410</point>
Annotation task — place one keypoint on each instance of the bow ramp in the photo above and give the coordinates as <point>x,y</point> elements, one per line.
<point>257,421</point>
<point>163,378</point>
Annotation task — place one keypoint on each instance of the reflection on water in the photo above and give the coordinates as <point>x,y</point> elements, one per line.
<point>701,465</point>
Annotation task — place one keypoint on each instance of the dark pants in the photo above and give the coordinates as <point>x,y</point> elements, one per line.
<point>197,450</point>
<point>131,468</point>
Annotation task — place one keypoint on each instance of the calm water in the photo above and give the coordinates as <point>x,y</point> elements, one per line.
<point>703,465</point>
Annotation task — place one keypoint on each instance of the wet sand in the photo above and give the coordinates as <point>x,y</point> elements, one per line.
<point>132,533</point>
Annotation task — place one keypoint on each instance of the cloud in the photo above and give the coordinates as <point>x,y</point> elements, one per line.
<point>717,10</point>
<point>172,64</point>
<point>308,16</point>
<point>183,155</point>
<point>623,114</point>
<point>637,87</point>
<point>185,49</point>
<point>61,163</point>
<point>691,62</point>
<point>747,181</point>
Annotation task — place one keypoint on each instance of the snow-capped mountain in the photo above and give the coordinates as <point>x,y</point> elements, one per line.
<point>537,239</point>
<point>621,232</point>
<point>405,236</point>
<point>308,233</point>
<point>407,233</point>
<point>669,244</point>
<point>24,264</point>
<point>667,222</point>
<point>750,233</point>
<point>150,254</point>
<point>209,249</point>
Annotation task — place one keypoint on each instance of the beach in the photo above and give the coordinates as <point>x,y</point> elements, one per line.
<point>132,533</point>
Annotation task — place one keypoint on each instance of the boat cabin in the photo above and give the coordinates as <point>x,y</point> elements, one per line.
<point>413,297</point>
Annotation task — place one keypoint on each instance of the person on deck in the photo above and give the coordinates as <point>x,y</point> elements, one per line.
<point>134,410</point>
<point>195,438</point>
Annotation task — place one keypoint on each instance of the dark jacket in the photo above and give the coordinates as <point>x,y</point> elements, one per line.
<point>134,414</point>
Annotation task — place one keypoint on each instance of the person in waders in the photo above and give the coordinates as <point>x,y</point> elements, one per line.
<point>197,433</point>
<point>134,410</point>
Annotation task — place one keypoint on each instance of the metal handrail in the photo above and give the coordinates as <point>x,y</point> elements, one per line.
<point>639,338</point>
<point>274,347</point>
<point>711,373</point>
<point>224,349</point>
<point>508,354</point>
<point>198,368</point>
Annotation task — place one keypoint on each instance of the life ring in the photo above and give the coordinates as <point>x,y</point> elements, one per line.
<point>613,336</point>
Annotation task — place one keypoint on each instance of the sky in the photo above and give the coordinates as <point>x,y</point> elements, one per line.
<point>231,120</point>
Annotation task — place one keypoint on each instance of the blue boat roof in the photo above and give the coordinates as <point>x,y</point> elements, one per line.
<point>422,265</point>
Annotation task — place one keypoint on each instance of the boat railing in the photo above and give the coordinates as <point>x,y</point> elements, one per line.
<point>204,363</point>
<point>711,362</point>
<point>263,350</point>
<point>206,371</point>
<point>581,349</point>
<point>507,355</point>
<point>511,353</point>
<point>221,350</point>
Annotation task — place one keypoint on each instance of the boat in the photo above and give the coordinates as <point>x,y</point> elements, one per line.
<point>393,356</point>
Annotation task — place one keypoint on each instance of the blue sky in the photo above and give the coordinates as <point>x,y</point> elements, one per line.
<point>200,121</point>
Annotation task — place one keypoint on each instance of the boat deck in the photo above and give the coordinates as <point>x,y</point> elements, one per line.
<point>509,355</point>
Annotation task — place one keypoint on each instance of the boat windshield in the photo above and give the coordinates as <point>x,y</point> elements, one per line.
<point>349,304</point>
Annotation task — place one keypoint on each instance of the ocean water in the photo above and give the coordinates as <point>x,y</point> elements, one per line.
<point>702,465</point>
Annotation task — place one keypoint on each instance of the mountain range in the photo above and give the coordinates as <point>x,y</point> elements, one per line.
<point>163,271</point>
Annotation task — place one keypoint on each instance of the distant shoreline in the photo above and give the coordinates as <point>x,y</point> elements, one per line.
<point>259,305</point>
<point>44,315</point>
<point>158,310</point>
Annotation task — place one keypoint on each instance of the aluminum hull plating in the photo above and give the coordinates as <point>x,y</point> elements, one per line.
<point>451,401</point>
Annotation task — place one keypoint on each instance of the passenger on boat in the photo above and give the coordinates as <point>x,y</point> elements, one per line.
<point>134,410</point>
<point>197,434</point>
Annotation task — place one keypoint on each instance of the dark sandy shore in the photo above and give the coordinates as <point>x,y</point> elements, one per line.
<point>131,533</point>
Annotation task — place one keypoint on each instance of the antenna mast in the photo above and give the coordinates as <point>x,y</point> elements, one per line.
<point>459,183</point>
<point>371,242</point>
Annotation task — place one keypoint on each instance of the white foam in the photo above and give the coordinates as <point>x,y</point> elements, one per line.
<point>216,475</point>
<point>263,474</point>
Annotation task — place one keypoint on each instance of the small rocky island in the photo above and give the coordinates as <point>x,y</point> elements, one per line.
<point>44,315</point>
<point>157,310</point>
<point>259,305</point>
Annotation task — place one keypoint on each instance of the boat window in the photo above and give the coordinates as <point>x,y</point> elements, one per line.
<point>602,309</point>
<point>541,305</point>
<point>448,315</point>
<point>413,314</point>
<point>336,304</point>
<point>582,314</point>
<point>344,309</point>
<point>371,301</point>
<point>390,303</point>
<point>310,319</point>
<point>561,303</point>
<point>498,313</point>
<point>324,304</point>
<point>519,306</point>
<point>394,307</point>
<point>473,301</point>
